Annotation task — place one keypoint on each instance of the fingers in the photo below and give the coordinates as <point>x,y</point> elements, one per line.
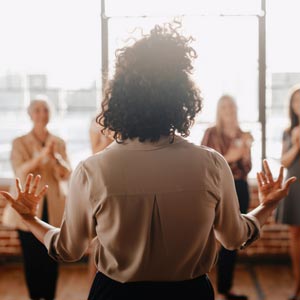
<point>18,185</point>
<point>268,171</point>
<point>43,192</point>
<point>36,182</point>
<point>7,196</point>
<point>280,176</point>
<point>288,183</point>
<point>259,180</point>
<point>28,183</point>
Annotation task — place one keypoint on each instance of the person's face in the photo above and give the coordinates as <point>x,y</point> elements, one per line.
<point>296,103</point>
<point>39,113</point>
<point>227,110</point>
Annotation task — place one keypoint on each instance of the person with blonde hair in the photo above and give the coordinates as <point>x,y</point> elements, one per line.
<point>155,202</point>
<point>40,152</point>
<point>289,210</point>
<point>227,138</point>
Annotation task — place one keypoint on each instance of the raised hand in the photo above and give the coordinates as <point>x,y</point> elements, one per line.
<point>27,201</point>
<point>272,191</point>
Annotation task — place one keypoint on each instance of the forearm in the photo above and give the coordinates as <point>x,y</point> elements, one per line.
<point>37,227</point>
<point>62,167</point>
<point>29,166</point>
<point>289,156</point>
<point>263,212</point>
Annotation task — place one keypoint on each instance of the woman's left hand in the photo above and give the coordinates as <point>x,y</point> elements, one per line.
<point>27,201</point>
<point>272,191</point>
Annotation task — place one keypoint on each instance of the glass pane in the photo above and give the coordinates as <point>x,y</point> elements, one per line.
<point>227,62</point>
<point>179,7</point>
<point>54,48</point>
<point>283,70</point>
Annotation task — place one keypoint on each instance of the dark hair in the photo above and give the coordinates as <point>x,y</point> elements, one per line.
<point>151,93</point>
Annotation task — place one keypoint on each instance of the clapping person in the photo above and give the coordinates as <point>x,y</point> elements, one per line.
<point>289,210</point>
<point>40,152</point>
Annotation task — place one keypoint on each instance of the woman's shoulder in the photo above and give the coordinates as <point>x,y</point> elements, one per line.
<point>286,133</point>
<point>211,129</point>
<point>21,139</point>
<point>57,139</point>
<point>247,135</point>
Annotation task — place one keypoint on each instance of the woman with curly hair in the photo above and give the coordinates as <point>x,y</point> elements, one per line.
<point>154,202</point>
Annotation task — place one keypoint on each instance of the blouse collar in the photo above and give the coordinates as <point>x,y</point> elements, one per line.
<point>135,144</point>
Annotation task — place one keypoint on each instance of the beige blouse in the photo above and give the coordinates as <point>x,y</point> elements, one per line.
<point>25,148</point>
<point>155,209</point>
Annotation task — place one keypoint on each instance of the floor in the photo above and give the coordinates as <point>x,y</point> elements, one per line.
<point>260,281</point>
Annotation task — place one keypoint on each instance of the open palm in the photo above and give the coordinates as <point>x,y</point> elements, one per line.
<point>272,191</point>
<point>27,201</point>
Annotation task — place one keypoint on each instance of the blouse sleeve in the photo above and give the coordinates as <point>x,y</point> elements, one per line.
<point>70,242</point>
<point>233,229</point>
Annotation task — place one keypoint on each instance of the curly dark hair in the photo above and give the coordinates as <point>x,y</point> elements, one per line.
<point>152,93</point>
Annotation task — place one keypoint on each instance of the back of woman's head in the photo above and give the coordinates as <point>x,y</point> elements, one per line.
<point>152,93</point>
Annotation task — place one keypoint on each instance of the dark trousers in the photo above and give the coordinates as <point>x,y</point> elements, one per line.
<point>227,258</point>
<point>41,271</point>
<point>105,288</point>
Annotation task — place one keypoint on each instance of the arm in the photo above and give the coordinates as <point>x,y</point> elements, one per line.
<point>246,227</point>
<point>70,242</point>
<point>289,154</point>
<point>271,192</point>
<point>98,141</point>
<point>241,152</point>
<point>210,139</point>
<point>23,167</point>
<point>228,218</point>
<point>62,167</point>
<point>234,154</point>
<point>246,158</point>
<point>26,204</point>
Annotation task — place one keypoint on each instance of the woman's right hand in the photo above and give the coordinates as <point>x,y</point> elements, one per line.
<point>27,201</point>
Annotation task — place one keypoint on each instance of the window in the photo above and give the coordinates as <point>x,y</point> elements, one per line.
<point>226,41</point>
<point>283,70</point>
<point>53,48</point>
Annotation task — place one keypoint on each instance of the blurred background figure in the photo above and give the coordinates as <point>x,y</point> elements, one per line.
<point>227,138</point>
<point>98,140</point>
<point>40,152</point>
<point>289,210</point>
